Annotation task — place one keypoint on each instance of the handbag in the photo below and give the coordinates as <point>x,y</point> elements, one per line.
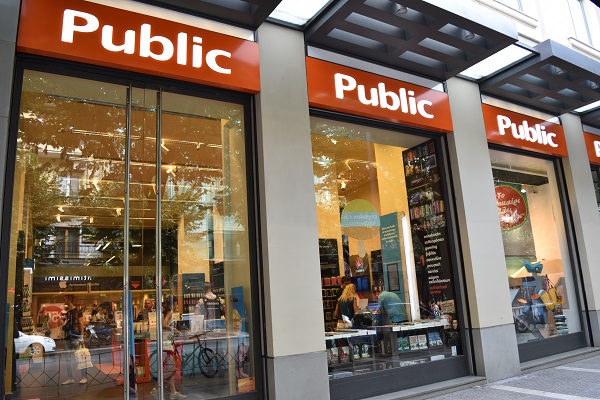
<point>83,358</point>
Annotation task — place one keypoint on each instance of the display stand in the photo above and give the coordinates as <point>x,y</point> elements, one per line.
<point>350,352</point>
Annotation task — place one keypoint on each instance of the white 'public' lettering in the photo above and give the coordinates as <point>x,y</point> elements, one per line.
<point>597,148</point>
<point>168,49</point>
<point>536,133</point>
<point>380,96</point>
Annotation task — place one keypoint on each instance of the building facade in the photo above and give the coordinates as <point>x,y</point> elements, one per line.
<point>211,202</point>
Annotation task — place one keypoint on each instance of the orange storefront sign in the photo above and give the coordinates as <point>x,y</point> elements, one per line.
<point>592,143</point>
<point>512,129</point>
<point>87,32</point>
<point>338,88</point>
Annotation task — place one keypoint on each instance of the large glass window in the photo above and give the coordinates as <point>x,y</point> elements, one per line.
<point>538,266</point>
<point>113,181</point>
<point>384,249</point>
<point>596,179</point>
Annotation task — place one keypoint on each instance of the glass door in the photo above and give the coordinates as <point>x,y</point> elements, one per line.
<point>130,260</point>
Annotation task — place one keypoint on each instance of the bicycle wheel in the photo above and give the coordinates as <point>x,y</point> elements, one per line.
<point>207,360</point>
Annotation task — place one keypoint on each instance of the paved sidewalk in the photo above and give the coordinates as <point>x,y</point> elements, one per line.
<point>578,380</point>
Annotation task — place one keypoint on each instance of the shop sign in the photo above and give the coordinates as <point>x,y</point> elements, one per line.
<point>592,143</point>
<point>512,207</point>
<point>338,88</point>
<point>87,32</point>
<point>512,129</point>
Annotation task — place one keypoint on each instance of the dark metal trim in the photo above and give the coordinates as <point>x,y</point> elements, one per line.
<point>243,13</point>
<point>436,39</point>
<point>396,379</point>
<point>549,347</point>
<point>558,80</point>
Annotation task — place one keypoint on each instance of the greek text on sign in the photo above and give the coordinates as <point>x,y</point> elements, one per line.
<point>512,207</point>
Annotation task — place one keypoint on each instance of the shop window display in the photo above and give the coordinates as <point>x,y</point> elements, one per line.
<point>69,240</point>
<point>381,210</point>
<point>535,246</point>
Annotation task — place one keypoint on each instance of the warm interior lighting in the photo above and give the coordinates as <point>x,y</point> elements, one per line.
<point>91,220</point>
<point>118,210</point>
<point>58,218</point>
<point>106,245</point>
<point>343,185</point>
<point>61,209</point>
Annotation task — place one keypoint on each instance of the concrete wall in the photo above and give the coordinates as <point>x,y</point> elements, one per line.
<point>292,282</point>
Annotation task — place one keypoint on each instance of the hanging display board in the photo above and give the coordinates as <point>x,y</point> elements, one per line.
<point>428,223</point>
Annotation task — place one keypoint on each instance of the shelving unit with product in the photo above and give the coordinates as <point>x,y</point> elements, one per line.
<point>192,291</point>
<point>329,289</point>
<point>350,352</point>
<point>416,342</point>
<point>142,357</point>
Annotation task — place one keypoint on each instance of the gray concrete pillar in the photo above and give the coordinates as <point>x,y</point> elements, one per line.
<point>296,358</point>
<point>586,218</point>
<point>494,338</point>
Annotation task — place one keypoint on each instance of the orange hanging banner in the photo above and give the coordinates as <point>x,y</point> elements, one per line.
<point>96,34</point>
<point>338,88</point>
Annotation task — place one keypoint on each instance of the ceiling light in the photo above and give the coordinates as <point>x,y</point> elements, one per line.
<point>588,107</point>
<point>298,12</point>
<point>91,220</point>
<point>469,36</point>
<point>106,245</point>
<point>523,190</point>
<point>61,209</point>
<point>497,62</point>
<point>401,9</point>
<point>162,144</point>
<point>343,185</point>
<point>58,218</point>
<point>118,210</point>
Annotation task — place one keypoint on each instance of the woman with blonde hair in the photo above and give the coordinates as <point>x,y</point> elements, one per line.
<point>346,305</point>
